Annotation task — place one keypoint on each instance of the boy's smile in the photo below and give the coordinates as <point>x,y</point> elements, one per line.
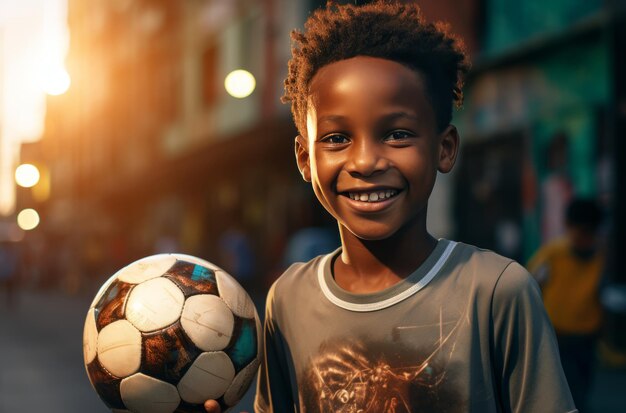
<point>373,149</point>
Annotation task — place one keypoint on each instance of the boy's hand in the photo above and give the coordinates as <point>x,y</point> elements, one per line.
<point>212,406</point>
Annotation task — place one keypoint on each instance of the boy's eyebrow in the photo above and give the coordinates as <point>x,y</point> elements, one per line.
<point>400,114</point>
<point>389,116</point>
<point>330,118</point>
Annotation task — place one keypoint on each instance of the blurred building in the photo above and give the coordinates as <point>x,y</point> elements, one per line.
<point>147,152</point>
<point>543,120</point>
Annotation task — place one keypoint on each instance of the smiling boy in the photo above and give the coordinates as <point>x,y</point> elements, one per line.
<point>394,320</point>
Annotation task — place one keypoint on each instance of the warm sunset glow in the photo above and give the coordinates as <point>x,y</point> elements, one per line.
<point>27,175</point>
<point>56,82</point>
<point>28,219</point>
<point>33,46</point>
<point>240,83</point>
<point>41,191</point>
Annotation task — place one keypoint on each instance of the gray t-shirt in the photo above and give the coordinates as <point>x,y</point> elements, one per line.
<point>466,332</point>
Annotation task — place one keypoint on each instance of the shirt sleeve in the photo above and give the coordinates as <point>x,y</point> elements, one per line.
<point>526,358</point>
<point>274,391</point>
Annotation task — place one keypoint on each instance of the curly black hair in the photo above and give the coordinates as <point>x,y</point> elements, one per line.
<point>381,29</point>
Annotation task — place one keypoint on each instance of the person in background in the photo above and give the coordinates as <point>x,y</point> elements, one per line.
<point>569,271</point>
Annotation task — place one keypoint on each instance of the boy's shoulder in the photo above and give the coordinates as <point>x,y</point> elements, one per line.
<point>480,260</point>
<point>484,256</point>
<point>492,271</point>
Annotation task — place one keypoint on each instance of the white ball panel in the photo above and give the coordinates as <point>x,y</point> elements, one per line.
<point>90,337</point>
<point>145,394</point>
<point>119,348</point>
<point>241,383</point>
<point>234,295</point>
<point>207,378</point>
<point>208,321</point>
<point>154,304</point>
<point>146,268</point>
<point>197,261</point>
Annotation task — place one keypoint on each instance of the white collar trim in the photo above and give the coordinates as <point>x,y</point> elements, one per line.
<point>379,305</point>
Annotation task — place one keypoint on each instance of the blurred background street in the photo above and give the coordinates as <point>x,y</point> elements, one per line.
<point>135,127</point>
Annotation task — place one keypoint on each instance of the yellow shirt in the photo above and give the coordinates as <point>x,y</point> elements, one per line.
<point>570,289</point>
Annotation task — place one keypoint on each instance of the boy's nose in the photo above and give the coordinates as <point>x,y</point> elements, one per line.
<point>366,158</point>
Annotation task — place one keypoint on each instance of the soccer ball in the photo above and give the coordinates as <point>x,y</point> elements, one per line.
<point>168,332</point>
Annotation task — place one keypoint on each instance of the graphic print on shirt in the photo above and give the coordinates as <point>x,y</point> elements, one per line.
<point>359,376</point>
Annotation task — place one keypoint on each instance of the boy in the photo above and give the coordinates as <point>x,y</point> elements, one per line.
<point>570,271</point>
<point>394,320</point>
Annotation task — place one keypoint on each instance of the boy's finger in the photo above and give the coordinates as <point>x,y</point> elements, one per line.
<point>211,406</point>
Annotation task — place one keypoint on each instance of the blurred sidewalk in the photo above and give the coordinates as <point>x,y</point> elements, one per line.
<point>42,361</point>
<point>41,356</point>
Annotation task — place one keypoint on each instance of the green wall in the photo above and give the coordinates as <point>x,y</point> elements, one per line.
<point>558,90</point>
<point>510,22</point>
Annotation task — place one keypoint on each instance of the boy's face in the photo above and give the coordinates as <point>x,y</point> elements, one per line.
<point>372,149</point>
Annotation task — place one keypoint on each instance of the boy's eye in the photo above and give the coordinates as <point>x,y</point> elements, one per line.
<point>336,139</point>
<point>398,135</point>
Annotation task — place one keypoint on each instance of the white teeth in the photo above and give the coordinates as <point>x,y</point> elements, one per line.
<point>372,196</point>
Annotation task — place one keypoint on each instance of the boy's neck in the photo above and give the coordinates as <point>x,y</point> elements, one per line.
<point>371,266</point>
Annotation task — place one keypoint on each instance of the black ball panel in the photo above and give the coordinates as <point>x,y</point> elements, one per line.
<point>112,304</point>
<point>106,385</point>
<point>192,279</point>
<point>243,346</point>
<point>167,354</point>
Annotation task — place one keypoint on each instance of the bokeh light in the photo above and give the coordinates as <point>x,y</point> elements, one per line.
<point>28,219</point>
<point>27,175</point>
<point>240,83</point>
<point>56,82</point>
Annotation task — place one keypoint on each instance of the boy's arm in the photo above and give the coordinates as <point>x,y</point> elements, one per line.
<point>527,367</point>
<point>274,392</point>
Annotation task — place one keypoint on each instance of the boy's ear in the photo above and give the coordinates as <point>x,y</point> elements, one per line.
<point>448,149</point>
<point>302,157</point>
